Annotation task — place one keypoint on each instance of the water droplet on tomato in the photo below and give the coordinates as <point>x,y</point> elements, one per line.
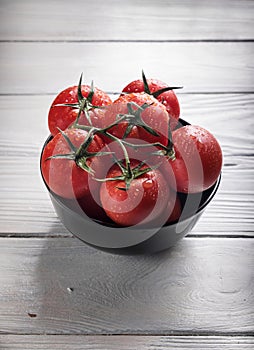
<point>148,184</point>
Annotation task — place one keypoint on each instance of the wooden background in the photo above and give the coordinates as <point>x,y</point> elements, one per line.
<point>58,293</point>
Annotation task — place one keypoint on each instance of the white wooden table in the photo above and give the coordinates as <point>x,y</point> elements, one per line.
<point>55,291</point>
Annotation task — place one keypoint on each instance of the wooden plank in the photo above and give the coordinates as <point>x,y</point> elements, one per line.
<point>199,67</point>
<point>228,116</point>
<point>132,20</point>
<point>123,342</point>
<point>61,286</point>
<point>25,205</point>
<point>26,209</point>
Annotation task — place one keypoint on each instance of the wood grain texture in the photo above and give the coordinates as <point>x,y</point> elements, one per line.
<point>199,67</point>
<point>61,286</point>
<point>56,292</point>
<point>132,20</point>
<point>25,205</point>
<point>123,342</point>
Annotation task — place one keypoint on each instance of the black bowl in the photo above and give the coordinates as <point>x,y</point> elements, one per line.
<point>108,236</point>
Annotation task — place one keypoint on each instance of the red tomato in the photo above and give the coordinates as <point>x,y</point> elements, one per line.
<point>174,210</point>
<point>97,117</point>
<point>168,98</point>
<point>62,116</point>
<point>154,116</point>
<point>198,160</point>
<point>92,206</point>
<point>62,175</point>
<point>144,201</point>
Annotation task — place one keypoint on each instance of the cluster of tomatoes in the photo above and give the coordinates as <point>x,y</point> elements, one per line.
<point>127,160</point>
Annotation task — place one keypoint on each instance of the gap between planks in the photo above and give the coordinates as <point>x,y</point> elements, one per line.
<point>180,334</point>
<point>41,235</point>
<point>130,41</point>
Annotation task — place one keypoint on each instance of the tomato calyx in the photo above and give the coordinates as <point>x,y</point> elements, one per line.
<point>158,92</point>
<point>80,155</point>
<point>134,118</point>
<point>128,173</point>
<point>84,104</point>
